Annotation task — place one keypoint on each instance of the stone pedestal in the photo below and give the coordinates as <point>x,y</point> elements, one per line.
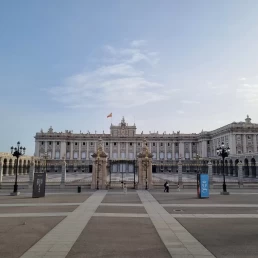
<point>99,168</point>
<point>145,168</point>
<point>210,174</point>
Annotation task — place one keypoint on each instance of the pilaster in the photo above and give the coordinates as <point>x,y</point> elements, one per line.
<point>157,150</point>
<point>54,150</point>
<point>173,151</point>
<point>165,158</point>
<point>126,150</point>
<point>190,151</point>
<point>244,143</point>
<point>255,143</point>
<point>181,150</point>
<point>118,150</point>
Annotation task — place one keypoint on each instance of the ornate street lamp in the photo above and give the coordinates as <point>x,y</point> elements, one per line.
<point>223,152</point>
<point>45,158</point>
<point>145,164</point>
<point>97,164</point>
<point>17,152</point>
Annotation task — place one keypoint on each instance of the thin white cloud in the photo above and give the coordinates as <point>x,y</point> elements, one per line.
<point>122,84</point>
<point>138,43</point>
<point>248,93</point>
<point>189,102</point>
<point>242,79</point>
<point>180,111</point>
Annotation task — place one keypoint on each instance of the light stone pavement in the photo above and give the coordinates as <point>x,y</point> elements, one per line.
<point>179,242</point>
<point>59,241</point>
<point>176,238</point>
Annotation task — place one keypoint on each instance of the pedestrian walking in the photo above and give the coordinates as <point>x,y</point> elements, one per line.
<point>178,187</point>
<point>165,186</point>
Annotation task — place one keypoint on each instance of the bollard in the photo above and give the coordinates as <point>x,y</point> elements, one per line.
<point>79,189</point>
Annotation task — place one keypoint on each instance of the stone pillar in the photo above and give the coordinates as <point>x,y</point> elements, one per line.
<point>190,151</point>
<point>181,150</point>
<point>210,174</point>
<point>11,168</point>
<point>180,172</point>
<point>240,174</point>
<point>255,143</point>
<point>126,151</point>
<point>204,148</point>
<point>1,171</point>
<point>118,151</point>
<point>157,150</point>
<point>173,151</point>
<point>165,158</point>
<point>99,170</point>
<point>31,173</point>
<point>63,176</point>
<point>144,161</point>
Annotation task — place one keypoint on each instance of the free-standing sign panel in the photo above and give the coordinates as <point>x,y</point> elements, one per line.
<point>39,185</point>
<point>204,186</point>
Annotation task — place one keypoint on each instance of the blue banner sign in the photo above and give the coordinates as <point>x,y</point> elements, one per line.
<point>204,186</point>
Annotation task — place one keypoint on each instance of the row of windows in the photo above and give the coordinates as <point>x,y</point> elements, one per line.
<point>92,143</point>
<point>115,155</point>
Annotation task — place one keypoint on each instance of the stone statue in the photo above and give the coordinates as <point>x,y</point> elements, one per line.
<point>50,130</point>
<point>41,130</point>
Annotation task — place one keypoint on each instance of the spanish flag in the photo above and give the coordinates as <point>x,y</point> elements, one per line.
<point>110,115</point>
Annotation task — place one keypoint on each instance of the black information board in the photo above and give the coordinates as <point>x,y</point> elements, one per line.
<point>39,185</point>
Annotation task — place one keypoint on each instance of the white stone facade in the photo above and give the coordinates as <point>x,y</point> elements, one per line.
<point>124,143</point>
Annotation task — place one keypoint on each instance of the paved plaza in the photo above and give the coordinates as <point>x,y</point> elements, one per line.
<point>133,224</point>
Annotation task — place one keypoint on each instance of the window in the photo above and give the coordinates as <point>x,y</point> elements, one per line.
<point>42,143</point>
<point>91,144</point>
<point>91,153</point>
<point>130,155</point>
<point>131,144</point>
<point>68,143</point>
<point>57,155</point>
<point>67,155</point>
<point>49,143</point>
<point>177,155</point>
<point>161,144</point>
<point>114,143</point>
<point>168,144</point>
<point>169,155</point>
<point>176,144</point>
<point>123,155</point>
<point>193,143</point>
<point>114,155</point>
<point>161,155</point>
<point>106,143</point>
<point>187,156</point>
<point>83,155</point>
<point>154,155</point>
<point>139,144</point>
<point>83,143</point>
<point>75,155</point>
<point>208,142</point>
<point>76,143</point>
<point>57,143</point>
<point>153,144</point>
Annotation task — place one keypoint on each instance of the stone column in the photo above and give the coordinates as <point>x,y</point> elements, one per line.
<point>134,149</point>
<point>31,173</point>
<point>255,144</point>
<point>210,174</point>
<point>118,150</point>
<point>180,172</point>
<point>1,171</point>
<point>240,174</point>
<point>63,176</point>
<point>157,150</point>
<point>190,151</point>
<point>11,168</point>
<point>173,151</point>
<point>126,151</point>
<point>165,158</point>
<point>80,150</point>
<point>54,150</point>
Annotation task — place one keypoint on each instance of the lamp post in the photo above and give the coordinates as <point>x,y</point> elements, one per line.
<point>17,152</point>
<point>45,157</point>
<point>145,163</point>
<point>198,163</point>
<point>97,163</point>
<point>223,152</point>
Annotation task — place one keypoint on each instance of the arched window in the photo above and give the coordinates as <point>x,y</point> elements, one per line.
<point>83,155</point>
<point>169,154</point>
<point>57,156</point>
<point>161,155</point>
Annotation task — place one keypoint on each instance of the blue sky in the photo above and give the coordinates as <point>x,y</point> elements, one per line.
<point>167,65</point>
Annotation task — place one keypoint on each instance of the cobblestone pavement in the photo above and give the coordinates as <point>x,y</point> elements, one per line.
<point>137,224</point>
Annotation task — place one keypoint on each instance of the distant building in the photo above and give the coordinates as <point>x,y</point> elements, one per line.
<point>123,142</point>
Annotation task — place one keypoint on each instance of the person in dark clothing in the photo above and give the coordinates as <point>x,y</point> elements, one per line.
<point>165,186</point>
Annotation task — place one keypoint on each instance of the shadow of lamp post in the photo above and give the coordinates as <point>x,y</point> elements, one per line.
<point>17,152</point>
<point>223,152</point>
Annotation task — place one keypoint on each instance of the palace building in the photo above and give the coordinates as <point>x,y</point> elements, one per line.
<point>123,142</point>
